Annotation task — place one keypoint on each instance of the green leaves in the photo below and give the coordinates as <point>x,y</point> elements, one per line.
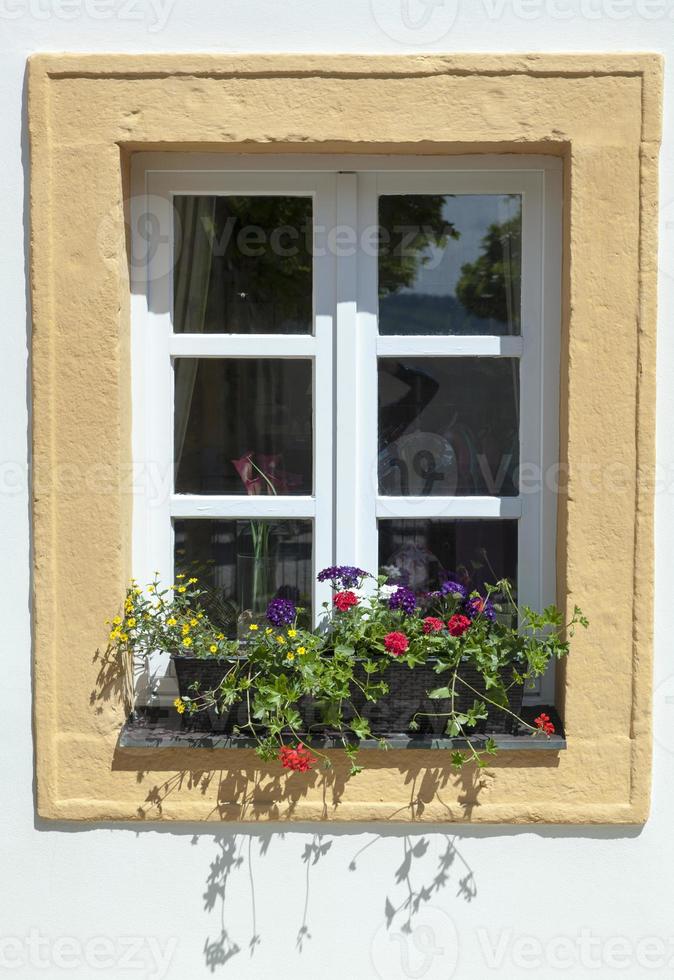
<point>360,727</point>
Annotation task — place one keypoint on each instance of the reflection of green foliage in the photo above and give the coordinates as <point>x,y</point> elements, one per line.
<point>261,267</point>
<point>489,287</point>
<point>409,224</point>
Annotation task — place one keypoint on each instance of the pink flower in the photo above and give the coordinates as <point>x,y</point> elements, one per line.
<point>396,643</point>
<point>432,624</point>
<point>345,600</point>
<point>458,624</point>
<point>264,474</point>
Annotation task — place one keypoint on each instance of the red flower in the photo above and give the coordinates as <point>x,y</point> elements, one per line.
<point>396,643</point>
<point>458,624</point>
<point>432,624</point>
<point>544,724</point>
<point>345,600</point>
<point>297,760</point>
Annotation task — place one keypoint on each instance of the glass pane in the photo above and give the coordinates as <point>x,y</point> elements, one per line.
<point>422,554</point>
<point>450,264</point>
<point>243,426</point>
<point>244,564</point>
<point>242,265</point>
<point>448,426</point>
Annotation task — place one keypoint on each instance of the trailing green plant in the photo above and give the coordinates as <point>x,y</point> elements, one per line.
<point>370,628</point>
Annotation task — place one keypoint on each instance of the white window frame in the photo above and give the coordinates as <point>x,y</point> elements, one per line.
<point>343,349</point>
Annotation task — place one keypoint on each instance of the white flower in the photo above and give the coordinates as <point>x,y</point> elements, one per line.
<point>386,591</point>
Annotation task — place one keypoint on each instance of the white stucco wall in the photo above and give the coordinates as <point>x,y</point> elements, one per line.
<point>313,901</point>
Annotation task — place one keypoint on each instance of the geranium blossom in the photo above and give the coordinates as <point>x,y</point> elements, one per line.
<point>458,624</point>
<point>345,600</point>
<point>297,760</point>
<point>396,643</point>
<point>544,724</point>
<point>432,624</point>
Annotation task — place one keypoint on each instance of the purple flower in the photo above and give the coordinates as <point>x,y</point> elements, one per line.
<point>478,606</point>
<point>403,598</point>
<point>342,576</point>
<point>453,588</point>
<point>281,612</point>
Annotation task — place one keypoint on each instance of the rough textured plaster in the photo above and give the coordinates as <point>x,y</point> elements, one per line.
<point>87,113</point>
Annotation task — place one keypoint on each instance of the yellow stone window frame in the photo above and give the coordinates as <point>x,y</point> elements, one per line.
<point>87,115</point>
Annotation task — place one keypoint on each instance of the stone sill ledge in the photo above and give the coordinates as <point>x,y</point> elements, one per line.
<point>164,729</point>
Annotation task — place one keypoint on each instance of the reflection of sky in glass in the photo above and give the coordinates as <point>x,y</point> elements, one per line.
<point>471,215</point>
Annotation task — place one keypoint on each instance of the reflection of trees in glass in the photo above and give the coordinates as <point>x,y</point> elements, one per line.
<point>490,286</point>
<point>409,225</point>
<point>261,269</point>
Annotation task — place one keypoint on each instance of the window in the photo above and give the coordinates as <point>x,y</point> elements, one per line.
<point>88,116</point>
<point>356,362</point>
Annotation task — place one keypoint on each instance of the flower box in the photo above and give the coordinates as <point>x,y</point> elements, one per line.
<point>406,701</point>
<point>384,662</point>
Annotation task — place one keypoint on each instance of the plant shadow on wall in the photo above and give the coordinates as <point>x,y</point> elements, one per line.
<point>251,790</point>
<point>419,879</point>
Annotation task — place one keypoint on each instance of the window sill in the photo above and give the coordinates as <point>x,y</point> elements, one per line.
<point>164,729</point>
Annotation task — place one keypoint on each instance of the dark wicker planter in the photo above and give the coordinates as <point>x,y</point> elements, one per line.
<point>208,675</point>
<point>407,697</point>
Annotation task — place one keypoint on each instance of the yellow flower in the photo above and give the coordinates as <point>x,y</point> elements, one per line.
<point>152,588</point>
<point>182,575</point>
<point>280,639</point>
<point>186,629</point>
<point>194,622</point>
<point>179,705</point>
<point>182,588</point>
<point>137,591</point>
<point>187,642</point>
<point>192,581</point>
<point>117,620</point>
<point>114,635</point>
<point>220,636</point>
<point>123,637</point>
<point>213,648</point>
<point>268,631</point>
<point>171,622</point>
<point>291,656</point>
<point>292,634</point>
<point>301,650</point>
<point>131,622</point>
<point>253,626</point>
<point>200,615</point>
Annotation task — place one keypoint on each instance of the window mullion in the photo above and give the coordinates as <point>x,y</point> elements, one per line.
<point>323,381</point>
<point>348,425</point>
